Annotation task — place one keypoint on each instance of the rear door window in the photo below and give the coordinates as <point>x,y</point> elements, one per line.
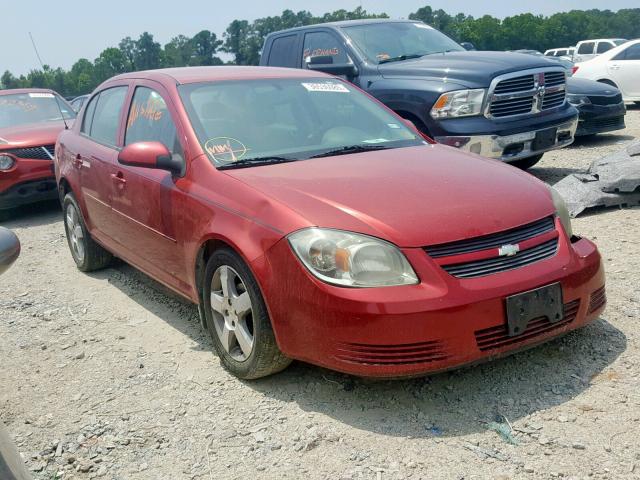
<point>586,48</point>
<point>106,118</point>
<point>283,52</point>
<point>631,53</point>
<point>604,47</point>
<point>324,44</point>
<point>149,120</point>
<point>88,115</point>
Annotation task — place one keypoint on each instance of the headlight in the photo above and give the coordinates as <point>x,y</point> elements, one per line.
<point>6,162</point>
<point>562,211</point>
<point>351,259</point>
<point>459,103</point>
<point>578,100</point>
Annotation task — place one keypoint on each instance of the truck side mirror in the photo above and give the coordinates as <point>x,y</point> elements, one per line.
<point>324,63</point>
<point>467,45</point>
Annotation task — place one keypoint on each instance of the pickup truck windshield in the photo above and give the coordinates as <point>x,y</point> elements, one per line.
<point>253,122</point>
<point>396,41</point>
<point>27,108</point>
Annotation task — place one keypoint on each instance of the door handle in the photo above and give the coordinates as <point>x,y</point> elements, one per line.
<point>77,161</point>
<point>118,178</point>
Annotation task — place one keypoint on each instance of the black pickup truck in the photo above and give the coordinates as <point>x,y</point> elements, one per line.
<point>501,105</point>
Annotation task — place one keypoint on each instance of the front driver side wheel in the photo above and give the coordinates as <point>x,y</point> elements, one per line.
<point>87,254</point>
<point>237,318</point>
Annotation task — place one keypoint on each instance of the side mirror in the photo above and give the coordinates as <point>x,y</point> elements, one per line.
<point>151,155</point>
<point>324,63</point>
<point>9,249</point>
<point>467,45</point>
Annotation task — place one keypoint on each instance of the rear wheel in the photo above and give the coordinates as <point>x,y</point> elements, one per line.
<point>526,163</point>
<point>87,254</point>
<point>237,318</point>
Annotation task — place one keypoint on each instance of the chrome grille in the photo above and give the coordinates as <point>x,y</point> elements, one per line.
<point>495,240</point>
<point>481,268</point>
<point>45,152</point>
<point>534,92</point>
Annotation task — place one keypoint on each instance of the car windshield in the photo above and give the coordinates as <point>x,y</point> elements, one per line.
<point>395,41</point>
<point>35,107</point>
<point>245,123</point>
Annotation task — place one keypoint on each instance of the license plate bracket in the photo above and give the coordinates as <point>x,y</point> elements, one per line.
<point>542,302</point>
<point>544,139</point>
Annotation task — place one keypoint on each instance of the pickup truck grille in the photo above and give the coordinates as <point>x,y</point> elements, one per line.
<point>526,94</point>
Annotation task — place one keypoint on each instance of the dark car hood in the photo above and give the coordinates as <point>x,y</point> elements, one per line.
<point>412,197</point>
<point>35,134</point>
<point>470,69</point>
<point>582,86</point>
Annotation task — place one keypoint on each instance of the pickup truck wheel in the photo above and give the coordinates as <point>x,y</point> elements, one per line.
<point>526,163</point>
<point>87,254</point>
<point>237,318</point>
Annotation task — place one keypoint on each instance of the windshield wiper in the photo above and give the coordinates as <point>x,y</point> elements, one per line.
<point>252,162</point>
<point>350,149</point>
<point>402,57</point>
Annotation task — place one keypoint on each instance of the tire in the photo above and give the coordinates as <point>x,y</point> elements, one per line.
<point>5,215</point>
<point>239,319</point>
<point>87,254</point>
<point>526,163</point>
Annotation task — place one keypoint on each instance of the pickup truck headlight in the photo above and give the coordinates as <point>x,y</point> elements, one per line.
<point>578,100</point>
<point>562,211</point>
<point>459,103</point>
<point>351,259</point>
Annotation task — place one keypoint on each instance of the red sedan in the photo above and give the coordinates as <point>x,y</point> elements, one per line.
<point>310,222</point>
<point>30,121</point>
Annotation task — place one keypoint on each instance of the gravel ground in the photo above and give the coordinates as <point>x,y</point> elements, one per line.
<point>109,376</point>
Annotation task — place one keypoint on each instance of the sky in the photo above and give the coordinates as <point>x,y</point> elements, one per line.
<point>72,29</point>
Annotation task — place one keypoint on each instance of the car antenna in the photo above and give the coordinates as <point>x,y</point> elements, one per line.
<point>66,127</point>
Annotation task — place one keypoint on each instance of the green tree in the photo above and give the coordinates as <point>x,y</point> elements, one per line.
<point>147,53</point>
<point>178,52</point>
<point>205,45</point>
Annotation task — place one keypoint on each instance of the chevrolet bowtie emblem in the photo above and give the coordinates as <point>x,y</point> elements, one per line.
<point>508,250</point>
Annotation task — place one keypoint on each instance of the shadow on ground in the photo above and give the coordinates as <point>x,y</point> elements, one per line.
<point>35,215</point>
<point>448,404</point>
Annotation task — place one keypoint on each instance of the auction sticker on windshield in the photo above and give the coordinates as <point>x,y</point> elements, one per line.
<point>326,87</point>
<point>41,95</point>
<point>225,149</point>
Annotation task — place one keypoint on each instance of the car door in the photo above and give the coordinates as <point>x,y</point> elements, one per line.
<point>585,51</point>
<point>624,70</point>
<point>95,151</point>
<point>145,201</point>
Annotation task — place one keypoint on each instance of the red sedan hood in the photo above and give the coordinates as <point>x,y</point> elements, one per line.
<point>412,197</point>
<point>32,135</point>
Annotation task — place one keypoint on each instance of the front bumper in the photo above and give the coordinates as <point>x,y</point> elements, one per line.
<point>440,324</point>
<point>509,148</point>
<point>29,181</point>
<point>600,119</point>
<point>28,192</point>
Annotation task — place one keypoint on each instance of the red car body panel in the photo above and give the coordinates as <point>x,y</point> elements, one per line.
<point>33,177</point>
<point>413,197</point>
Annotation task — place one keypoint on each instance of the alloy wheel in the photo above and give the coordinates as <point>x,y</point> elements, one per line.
<point>232,313</point>
<point>76,235</point>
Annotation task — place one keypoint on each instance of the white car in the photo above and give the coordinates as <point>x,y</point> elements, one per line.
<point>619,67</point>
<point>588,49</point>
<point>560,52</point>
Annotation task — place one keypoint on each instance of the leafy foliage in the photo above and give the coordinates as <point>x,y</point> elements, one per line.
<point>243,40</point>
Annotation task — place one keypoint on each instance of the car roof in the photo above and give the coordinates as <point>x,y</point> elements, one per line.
<point>185,75</point>
<point>344,23</point>
<point>17,91</point>
<point>601,39</point>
